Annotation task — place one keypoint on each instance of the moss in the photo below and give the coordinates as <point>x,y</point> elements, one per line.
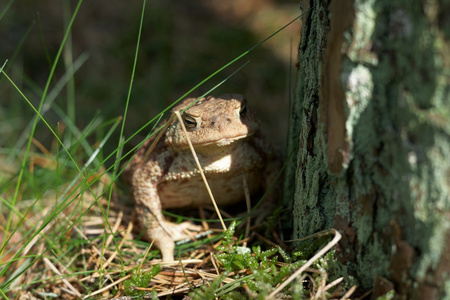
<point>141,279</point>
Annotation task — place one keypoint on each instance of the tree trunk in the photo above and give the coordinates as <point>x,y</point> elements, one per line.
<point>371,129</point>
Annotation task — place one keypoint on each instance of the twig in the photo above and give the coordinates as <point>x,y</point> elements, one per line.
<point>349,293</point>
<point>213,260</point>
<point>67,283</point>
<point>321,288</point>
<point>174,263</point>
<point>177,113</point>
<point>320,253</point>
<point>155,141</point>
<point>114,229</point>
<point>145,254</point>
<point>114,254</point>
<point>107,287</point>
<point>248,202</point>
<point>201,212</point>
<point>333,284</point>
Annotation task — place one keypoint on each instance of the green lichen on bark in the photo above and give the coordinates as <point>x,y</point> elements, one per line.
<point>391,197</point>
<point>311,176</point>
<point>409,162</point>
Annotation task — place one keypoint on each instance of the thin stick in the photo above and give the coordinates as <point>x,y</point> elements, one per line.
<point>320,253</point>
<point>201,212</point>
<point>177,113</point>
<point>161,132</point>
<point>349,293</point>
<point>67,283</point>
<point>320,290</point>
<point>334,283</point>
<point>248,202</point>
<point>114,229</point>
<point>145,254</point>
<point>213,257</point>
<point>107,287</point>
<point>115,253</point>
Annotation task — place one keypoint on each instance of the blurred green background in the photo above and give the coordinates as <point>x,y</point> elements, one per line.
<point>182,43</point>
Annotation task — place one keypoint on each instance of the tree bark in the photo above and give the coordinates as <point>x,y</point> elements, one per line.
<point>371,129</point>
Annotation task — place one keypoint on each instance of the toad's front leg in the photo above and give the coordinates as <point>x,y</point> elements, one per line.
<point>151,221</point>
<point>149,215</point>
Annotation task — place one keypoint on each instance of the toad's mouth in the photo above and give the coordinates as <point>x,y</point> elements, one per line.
<point>224,141</point>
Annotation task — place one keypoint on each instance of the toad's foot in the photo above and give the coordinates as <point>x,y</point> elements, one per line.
<point>179,231</point>
<point>165,236</point>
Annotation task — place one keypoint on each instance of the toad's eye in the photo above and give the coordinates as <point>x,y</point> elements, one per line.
<point>243,110</point>
<point>190,121</point>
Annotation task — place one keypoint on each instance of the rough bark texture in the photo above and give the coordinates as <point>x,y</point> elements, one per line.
<point>371,129</point>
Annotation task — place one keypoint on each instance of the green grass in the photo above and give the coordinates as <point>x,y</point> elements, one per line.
<point>59,220</point>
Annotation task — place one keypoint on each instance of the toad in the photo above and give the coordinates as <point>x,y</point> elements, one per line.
<point>224,133</point>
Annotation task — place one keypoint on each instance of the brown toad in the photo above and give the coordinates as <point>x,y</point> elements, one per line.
<point>224,133</point>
